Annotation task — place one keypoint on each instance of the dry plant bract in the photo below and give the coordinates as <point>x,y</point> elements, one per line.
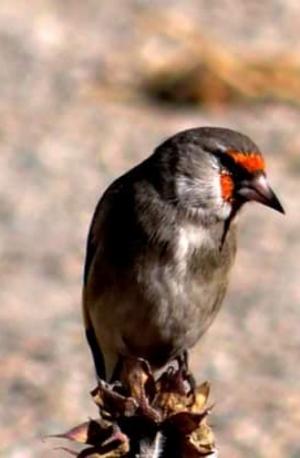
<point>144,417</point>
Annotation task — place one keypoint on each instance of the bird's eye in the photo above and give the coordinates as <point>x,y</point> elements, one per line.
<point>226,161</point>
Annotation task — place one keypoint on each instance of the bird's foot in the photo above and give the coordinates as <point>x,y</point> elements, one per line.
<point>132,394</point>
<point>112,402</point>
<point>116,385</point>
<point>185,373</point>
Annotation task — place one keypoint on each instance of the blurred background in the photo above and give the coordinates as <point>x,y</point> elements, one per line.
<point>89,88</point>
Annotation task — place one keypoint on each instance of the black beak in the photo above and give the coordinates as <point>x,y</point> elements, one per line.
<point>259,190</point>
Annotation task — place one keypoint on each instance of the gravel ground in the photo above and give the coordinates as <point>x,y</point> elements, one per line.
<point>62,141</point>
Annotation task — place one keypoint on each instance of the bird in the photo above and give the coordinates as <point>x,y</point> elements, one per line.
<point>161,245</point>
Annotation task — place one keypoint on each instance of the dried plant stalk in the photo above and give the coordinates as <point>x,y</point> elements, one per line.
<point>147,418</point>
<point>197,69</point>
<point>205,71</point>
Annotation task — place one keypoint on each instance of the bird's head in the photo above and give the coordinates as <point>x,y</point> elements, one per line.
<point>212,172</point>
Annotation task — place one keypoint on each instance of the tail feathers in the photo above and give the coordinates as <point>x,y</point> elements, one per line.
<point>96,353</point>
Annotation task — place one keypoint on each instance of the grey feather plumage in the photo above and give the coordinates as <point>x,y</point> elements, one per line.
<point>155,276</point>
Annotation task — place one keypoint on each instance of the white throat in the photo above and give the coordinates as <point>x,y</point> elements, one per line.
<point>190,238</point>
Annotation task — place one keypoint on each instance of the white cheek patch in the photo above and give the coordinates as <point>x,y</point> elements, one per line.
<point>201,198</point>
<point>216,186</point>
<point>220,208</point>
<point>208,188</point>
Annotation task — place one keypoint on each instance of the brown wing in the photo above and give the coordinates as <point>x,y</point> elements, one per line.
<point>91,248</point>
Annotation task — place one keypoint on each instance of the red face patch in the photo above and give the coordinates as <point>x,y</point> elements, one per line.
<point>252,162</point>
<point>227,185</point>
